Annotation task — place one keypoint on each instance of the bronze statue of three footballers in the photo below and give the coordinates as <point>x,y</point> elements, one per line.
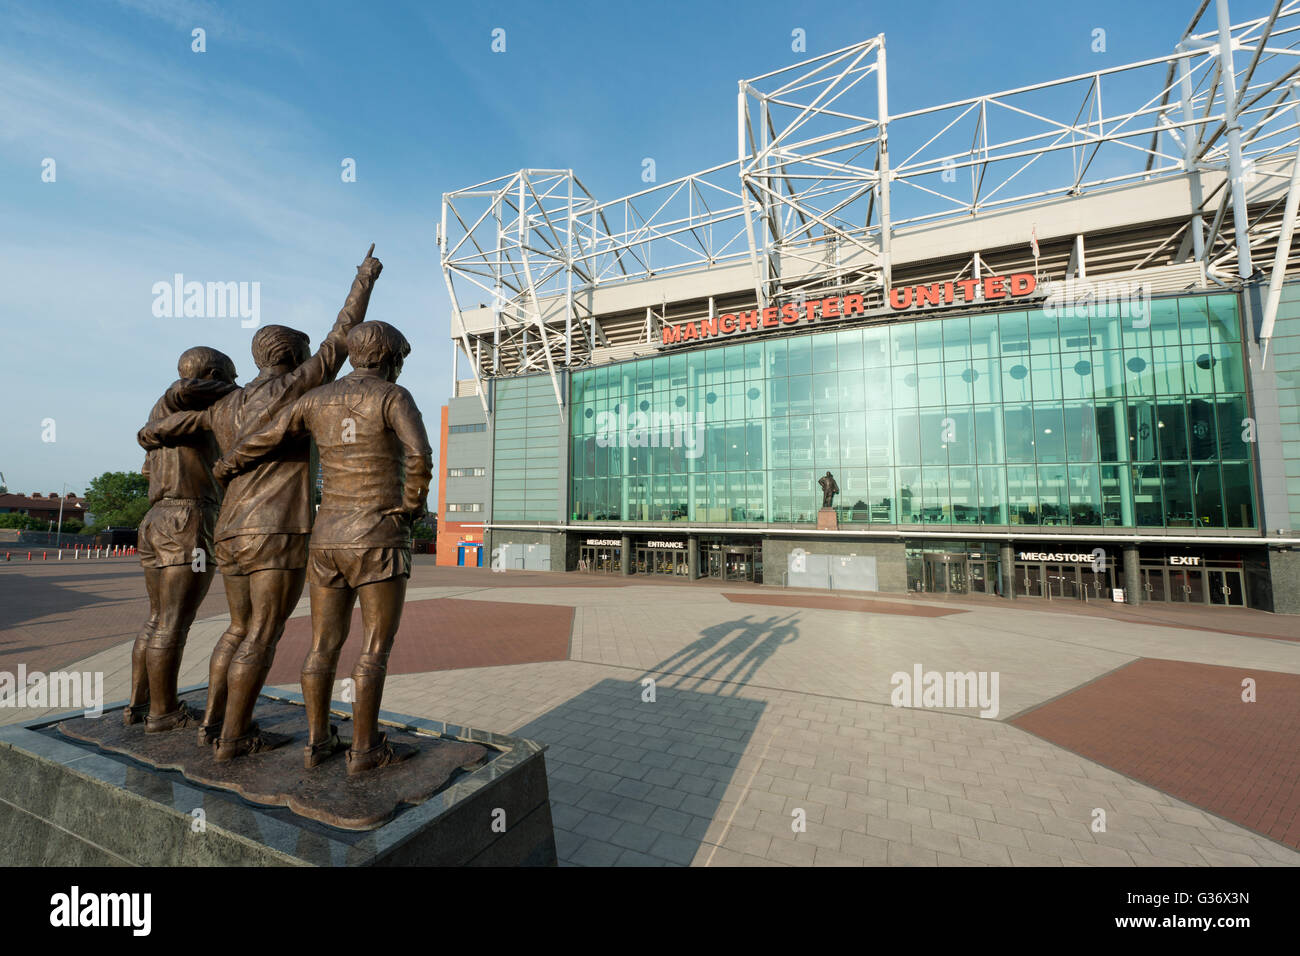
<point>376,464</point>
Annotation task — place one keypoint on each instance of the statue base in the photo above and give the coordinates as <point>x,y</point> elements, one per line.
<point>94,793</point>
<point>828,519</point>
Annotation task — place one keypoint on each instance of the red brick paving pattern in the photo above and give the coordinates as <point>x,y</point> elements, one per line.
<point>841,604</point>
<point>1242,622</point>
<point>54,614</point>
<point>1184,729</point>
<point>444,634</point>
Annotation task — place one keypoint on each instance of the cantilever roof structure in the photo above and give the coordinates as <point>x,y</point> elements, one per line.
<point>1181,168</point>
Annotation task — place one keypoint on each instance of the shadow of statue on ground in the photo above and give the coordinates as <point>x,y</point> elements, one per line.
<point>746,642</point>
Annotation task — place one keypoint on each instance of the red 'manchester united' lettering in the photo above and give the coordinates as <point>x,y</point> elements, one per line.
<point>969,291</point>
<point>792,313</point>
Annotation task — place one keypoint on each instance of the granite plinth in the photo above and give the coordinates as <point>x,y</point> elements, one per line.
<point>65,801</point>
<point>828,519</point>
<point>277,778</point>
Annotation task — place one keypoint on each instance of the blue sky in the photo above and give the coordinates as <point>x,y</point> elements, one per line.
<point>225,165</point>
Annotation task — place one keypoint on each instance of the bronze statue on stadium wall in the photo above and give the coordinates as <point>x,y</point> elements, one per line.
<point>829,489</point>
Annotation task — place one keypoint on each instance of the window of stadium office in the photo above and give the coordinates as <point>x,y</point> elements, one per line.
<point>1006,418</point>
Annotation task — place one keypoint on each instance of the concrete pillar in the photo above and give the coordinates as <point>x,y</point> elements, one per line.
<point>693,557</point>
<point>1132,577</point>
<point>1284,580</point>
<point>625,555</point>
<point>1007,569</point>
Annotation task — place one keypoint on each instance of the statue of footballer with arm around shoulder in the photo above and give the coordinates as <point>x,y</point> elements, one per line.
<point>377,464</point>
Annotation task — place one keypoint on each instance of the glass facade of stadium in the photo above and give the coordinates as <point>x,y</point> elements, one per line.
<point>1023,419</point>
<point>1024,452</point>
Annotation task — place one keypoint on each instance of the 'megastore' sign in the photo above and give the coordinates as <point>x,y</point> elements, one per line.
<point>900,299</point>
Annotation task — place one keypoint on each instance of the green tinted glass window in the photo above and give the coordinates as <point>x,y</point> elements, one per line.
<point>1193,320</point>
<point>849,345</point>
<point>825,353</point>
<point>985,342</point>
<point>1016,418</point>
<point>956,339</point>
<point>800,356</point>
<point>1043,332</point>
<point>902,344</point>
<point>929,341</point>
<point>1225,325</point>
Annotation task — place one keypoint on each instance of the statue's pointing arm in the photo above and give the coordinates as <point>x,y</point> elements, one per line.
<point>325,364</point>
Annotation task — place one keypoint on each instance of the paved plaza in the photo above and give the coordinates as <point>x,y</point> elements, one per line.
<point>691,723</point>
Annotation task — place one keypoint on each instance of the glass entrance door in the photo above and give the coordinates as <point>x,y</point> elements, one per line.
<point>1154,584</point>
<point>594,560</point>
<point>1184,585</point>
<point>656,561</point>
<point>1054,577</point>
<point>1029,580</point>
<point>715,564</point>
<point>1178,587</point>
<point>1096,584</point>
<point>1226,589</point>
<point>946,574</point>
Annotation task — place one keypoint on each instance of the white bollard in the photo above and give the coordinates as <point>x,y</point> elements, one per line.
<point>60,554</point>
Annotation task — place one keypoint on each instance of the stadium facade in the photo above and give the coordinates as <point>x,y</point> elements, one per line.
<point>1047,341</point>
